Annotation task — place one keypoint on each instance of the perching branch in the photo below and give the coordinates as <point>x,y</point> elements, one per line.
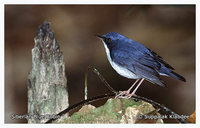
<point>86,101</point>
<point>155,104</point>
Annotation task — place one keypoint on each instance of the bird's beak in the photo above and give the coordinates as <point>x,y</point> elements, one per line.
<point>100,37</point>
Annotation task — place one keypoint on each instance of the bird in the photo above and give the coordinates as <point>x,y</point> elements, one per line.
<point>133,60</point>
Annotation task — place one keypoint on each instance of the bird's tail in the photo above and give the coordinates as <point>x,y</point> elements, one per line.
<point>176,76</point>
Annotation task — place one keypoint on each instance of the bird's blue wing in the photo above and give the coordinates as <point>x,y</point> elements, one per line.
<point>160,59</point>
<point>134,52</point>
<point>139,62</point>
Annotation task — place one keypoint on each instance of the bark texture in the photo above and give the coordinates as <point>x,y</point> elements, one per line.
<point>47,83</point>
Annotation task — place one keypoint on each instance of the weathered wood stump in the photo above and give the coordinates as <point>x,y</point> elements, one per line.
<point>47,83</point>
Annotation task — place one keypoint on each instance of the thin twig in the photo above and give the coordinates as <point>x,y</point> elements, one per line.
<point>161,107</point>
<point>155,104</point>
<point>135,97</point>
<point>103,80</point>
<point>89,100</point>
<point>86,90</point>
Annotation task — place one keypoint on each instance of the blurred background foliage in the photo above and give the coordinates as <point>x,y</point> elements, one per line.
<point>169,30</point>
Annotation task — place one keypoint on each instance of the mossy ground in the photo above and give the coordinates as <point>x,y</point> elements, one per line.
<point>111,112</point>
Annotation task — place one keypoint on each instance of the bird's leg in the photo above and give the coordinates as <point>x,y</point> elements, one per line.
<point>126,92</point>
<point>133,93</point>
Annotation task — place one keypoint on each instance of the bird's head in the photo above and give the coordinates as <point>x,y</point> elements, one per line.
<point>111,38</point>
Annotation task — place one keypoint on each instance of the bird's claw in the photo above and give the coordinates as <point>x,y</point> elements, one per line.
<point>124,94</point>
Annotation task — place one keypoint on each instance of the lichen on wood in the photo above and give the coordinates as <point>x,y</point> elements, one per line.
<point>114,111</point>
<point>47,83</point>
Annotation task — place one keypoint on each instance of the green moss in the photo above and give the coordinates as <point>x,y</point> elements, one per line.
<point>110,112</point>
<point>146,108</point>
<point>131,103</point>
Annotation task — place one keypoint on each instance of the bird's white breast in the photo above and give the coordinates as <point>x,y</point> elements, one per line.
<point>119,69</point>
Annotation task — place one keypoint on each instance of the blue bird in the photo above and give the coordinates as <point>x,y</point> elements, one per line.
<point>133,60</point>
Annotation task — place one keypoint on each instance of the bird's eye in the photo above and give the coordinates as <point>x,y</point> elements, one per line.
<point>108,40</point>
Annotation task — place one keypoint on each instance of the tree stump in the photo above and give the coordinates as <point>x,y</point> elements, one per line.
<point>47,83</point>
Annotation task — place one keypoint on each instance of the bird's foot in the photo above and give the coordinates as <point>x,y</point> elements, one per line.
<point>130,95</point>
<point>124,94</point>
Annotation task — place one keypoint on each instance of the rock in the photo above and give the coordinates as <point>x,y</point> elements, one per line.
<point>113,111</point>
<point>130,116</point>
